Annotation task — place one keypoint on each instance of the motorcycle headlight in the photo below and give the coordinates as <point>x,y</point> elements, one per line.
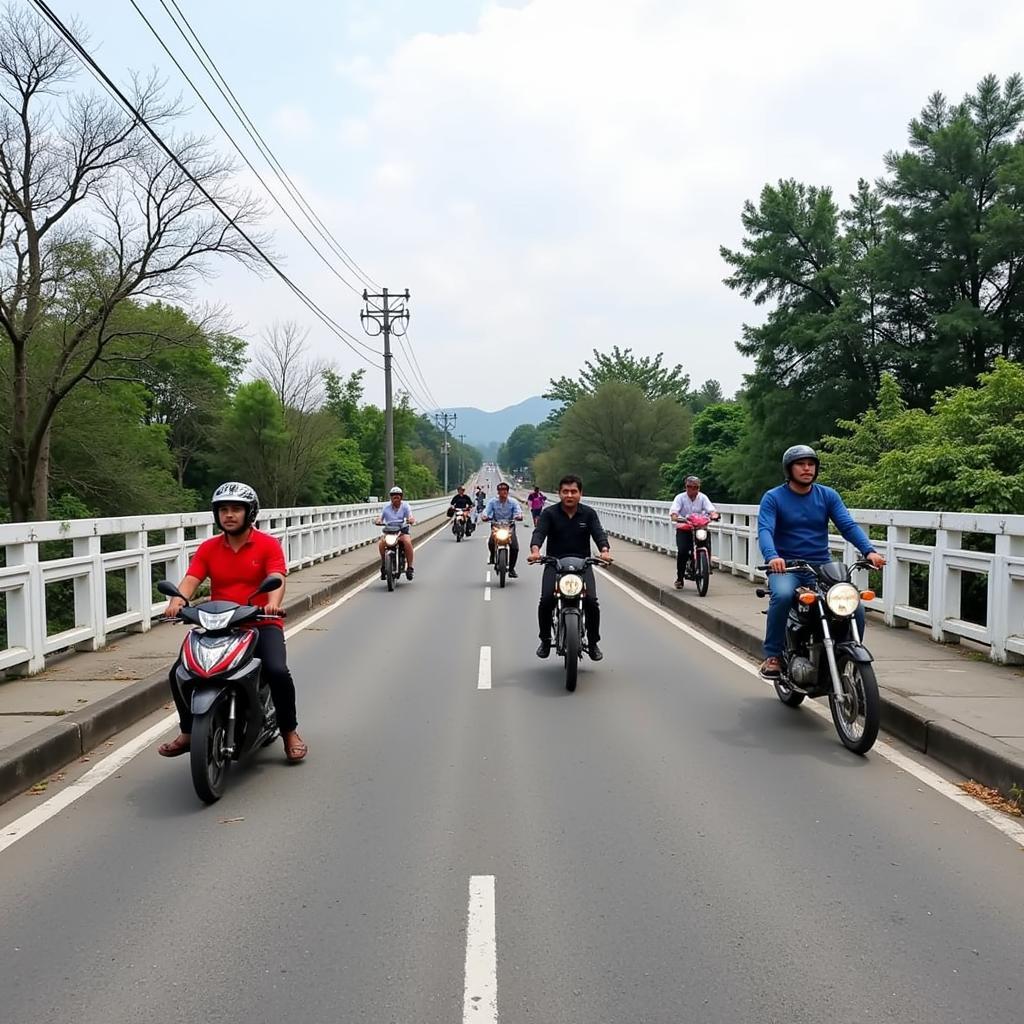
<point>391,539</point>
<point>502,535</point>
<point>571,585</point>
<point>842,599</point>
<point>701,534</point>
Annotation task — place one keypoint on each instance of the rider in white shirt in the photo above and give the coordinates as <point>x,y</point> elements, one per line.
<point>693,499</point>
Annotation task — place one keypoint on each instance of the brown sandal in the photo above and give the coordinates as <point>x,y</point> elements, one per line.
<point>294,749</point>
<point>181,744</point>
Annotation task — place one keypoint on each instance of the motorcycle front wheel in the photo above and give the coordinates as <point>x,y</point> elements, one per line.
<point>501,565</point>
<point>857,714</point>
<point>389,571</point>
<point>571,639</point>
<point>207,758</point>
<point>702,571</point>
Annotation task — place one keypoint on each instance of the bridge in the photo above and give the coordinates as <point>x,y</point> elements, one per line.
<point>464,828</point>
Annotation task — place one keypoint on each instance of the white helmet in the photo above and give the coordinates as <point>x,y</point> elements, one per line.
<point>396,490</point>
<point>235,493</point>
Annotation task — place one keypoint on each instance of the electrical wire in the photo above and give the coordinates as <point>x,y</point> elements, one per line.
<point>218,80</point>
<point>86,58</point>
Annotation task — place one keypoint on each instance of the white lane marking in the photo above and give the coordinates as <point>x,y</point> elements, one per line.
<point>483,676</point>
<point>29,822</point>
<point>480,995</point>
<point>487,593</point>
<point>487,578</point>
<point>1008,826</point>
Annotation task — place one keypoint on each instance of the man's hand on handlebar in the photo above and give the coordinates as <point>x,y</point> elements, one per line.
<point>534,556</point>
<point>606,556</point>
<point>174,606</point>
<point>777,565</point>
<point>876,560</point>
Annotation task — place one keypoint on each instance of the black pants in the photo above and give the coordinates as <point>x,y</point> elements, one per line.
<point>271,652</point>
<point>684,548</point>
<point>591,607</point>
<point>513,554</point>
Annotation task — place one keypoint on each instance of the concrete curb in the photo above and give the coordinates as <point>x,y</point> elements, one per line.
<point>44,752</point>
<point>967,751</point>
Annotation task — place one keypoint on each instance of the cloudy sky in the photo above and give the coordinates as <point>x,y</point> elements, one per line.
<point>553,176</point>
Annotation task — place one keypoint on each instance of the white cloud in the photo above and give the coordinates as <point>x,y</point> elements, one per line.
<point>562,176</point>
<point>293,123</point>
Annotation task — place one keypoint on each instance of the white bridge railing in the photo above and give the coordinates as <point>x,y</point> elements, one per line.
<point>308,535</point>
<point>947,563</point>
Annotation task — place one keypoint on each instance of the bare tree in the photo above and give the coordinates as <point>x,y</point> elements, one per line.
<point>283,361</point>
<point>297,378</point>
<point>92,214</point>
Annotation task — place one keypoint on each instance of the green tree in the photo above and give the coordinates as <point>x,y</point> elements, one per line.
<point>521,446</point>
<point>254,440</point>
<point>967,454</point>
<point>717,430</point>
<point>616,439</point>
<point>347,480</point>
<point>92,216</point>
<point>622,367</point>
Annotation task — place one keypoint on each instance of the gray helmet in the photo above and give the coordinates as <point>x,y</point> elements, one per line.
<point>235,493</point>
<point>796,452</point>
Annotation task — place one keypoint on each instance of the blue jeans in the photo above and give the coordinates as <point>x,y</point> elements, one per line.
<point>783,590</point>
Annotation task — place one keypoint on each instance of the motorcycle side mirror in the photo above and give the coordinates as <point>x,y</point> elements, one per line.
<point>271,583</point>
<point>168,589</point>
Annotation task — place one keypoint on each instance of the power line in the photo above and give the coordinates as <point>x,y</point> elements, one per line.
<point>248,163</point>
<point>218,79</point>
<point>408,346</point>
<point>114,91</point>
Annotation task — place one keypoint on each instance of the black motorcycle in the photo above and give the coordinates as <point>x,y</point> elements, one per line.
<point>824,655</point>
<point>568,619</point>
<point>394,555</point>
<point>233,714</point>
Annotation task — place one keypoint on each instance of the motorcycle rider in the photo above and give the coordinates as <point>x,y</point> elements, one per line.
<point>536,502</point>
<point>568,527</point>
<point>685,503</point>
<point>397,513</point>
<point>792,523</point>
<point>236,562</point>
<point>459,502</point>
<point>504,507</point>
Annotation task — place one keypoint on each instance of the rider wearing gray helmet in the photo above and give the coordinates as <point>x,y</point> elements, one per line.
<point>792,524</point>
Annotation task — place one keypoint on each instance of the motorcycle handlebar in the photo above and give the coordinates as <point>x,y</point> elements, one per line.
<point>796,565</point>
<point>589,560</point>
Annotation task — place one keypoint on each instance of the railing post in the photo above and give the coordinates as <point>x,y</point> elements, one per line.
<point>943,585</point>
<point>895,578</point>
<point>1005,599</point>
<point>138,590</point>
<point>26,608</point>
<point>88,611</point>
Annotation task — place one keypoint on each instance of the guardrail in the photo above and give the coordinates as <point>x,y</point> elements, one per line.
<point>946,563</point>
<point>99,547</point>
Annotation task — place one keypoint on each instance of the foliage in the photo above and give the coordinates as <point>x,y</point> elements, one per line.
<point>616,439</point>
<point>967,454</point>
<point>716,431</point>
<point>522,445</point>
<point>621,366</point>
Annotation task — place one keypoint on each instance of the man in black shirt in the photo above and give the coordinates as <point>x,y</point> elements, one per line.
<point>459,502</point>
<point>568,528</point>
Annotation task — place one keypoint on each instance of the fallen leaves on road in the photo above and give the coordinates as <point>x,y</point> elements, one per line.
<point>992,797</point>
<point>230,821</point>
<point>39,787</point>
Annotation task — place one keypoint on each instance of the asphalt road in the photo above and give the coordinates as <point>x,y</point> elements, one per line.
<point>668,844</point>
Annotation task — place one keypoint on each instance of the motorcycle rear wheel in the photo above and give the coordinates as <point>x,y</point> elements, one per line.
<point>571,640</point>
<point>858,715</point>
<point>702,571</point>
<point>207,759</point>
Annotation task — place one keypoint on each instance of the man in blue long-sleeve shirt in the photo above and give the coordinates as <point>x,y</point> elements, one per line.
<point>792,523</point>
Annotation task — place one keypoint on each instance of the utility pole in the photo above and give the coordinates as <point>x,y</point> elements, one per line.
<point>462,458</point>
<point>445,421</point>
<point>385,315</point>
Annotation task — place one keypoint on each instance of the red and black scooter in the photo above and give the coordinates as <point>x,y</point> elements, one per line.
<point>233,714</point>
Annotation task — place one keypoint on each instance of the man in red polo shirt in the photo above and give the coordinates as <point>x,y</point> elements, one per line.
<point>237,562</point>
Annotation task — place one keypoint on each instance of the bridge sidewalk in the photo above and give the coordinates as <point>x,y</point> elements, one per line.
<point>82,698</point>
<point>950,702</point>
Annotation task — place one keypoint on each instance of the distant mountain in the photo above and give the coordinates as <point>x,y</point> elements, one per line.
<point>486,430</point>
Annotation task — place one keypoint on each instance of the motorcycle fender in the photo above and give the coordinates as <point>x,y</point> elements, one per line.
<point>204,699</point>
<point>854,651</point>
<point>571,610</point>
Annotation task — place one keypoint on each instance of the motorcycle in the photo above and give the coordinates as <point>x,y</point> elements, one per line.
<point>698,565</point>
<point>568,619</point>
<point>501,533</point>
<point>394,555</point>
<point>462,523</point>
<point>233,713</point>
<point>824,655</point>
